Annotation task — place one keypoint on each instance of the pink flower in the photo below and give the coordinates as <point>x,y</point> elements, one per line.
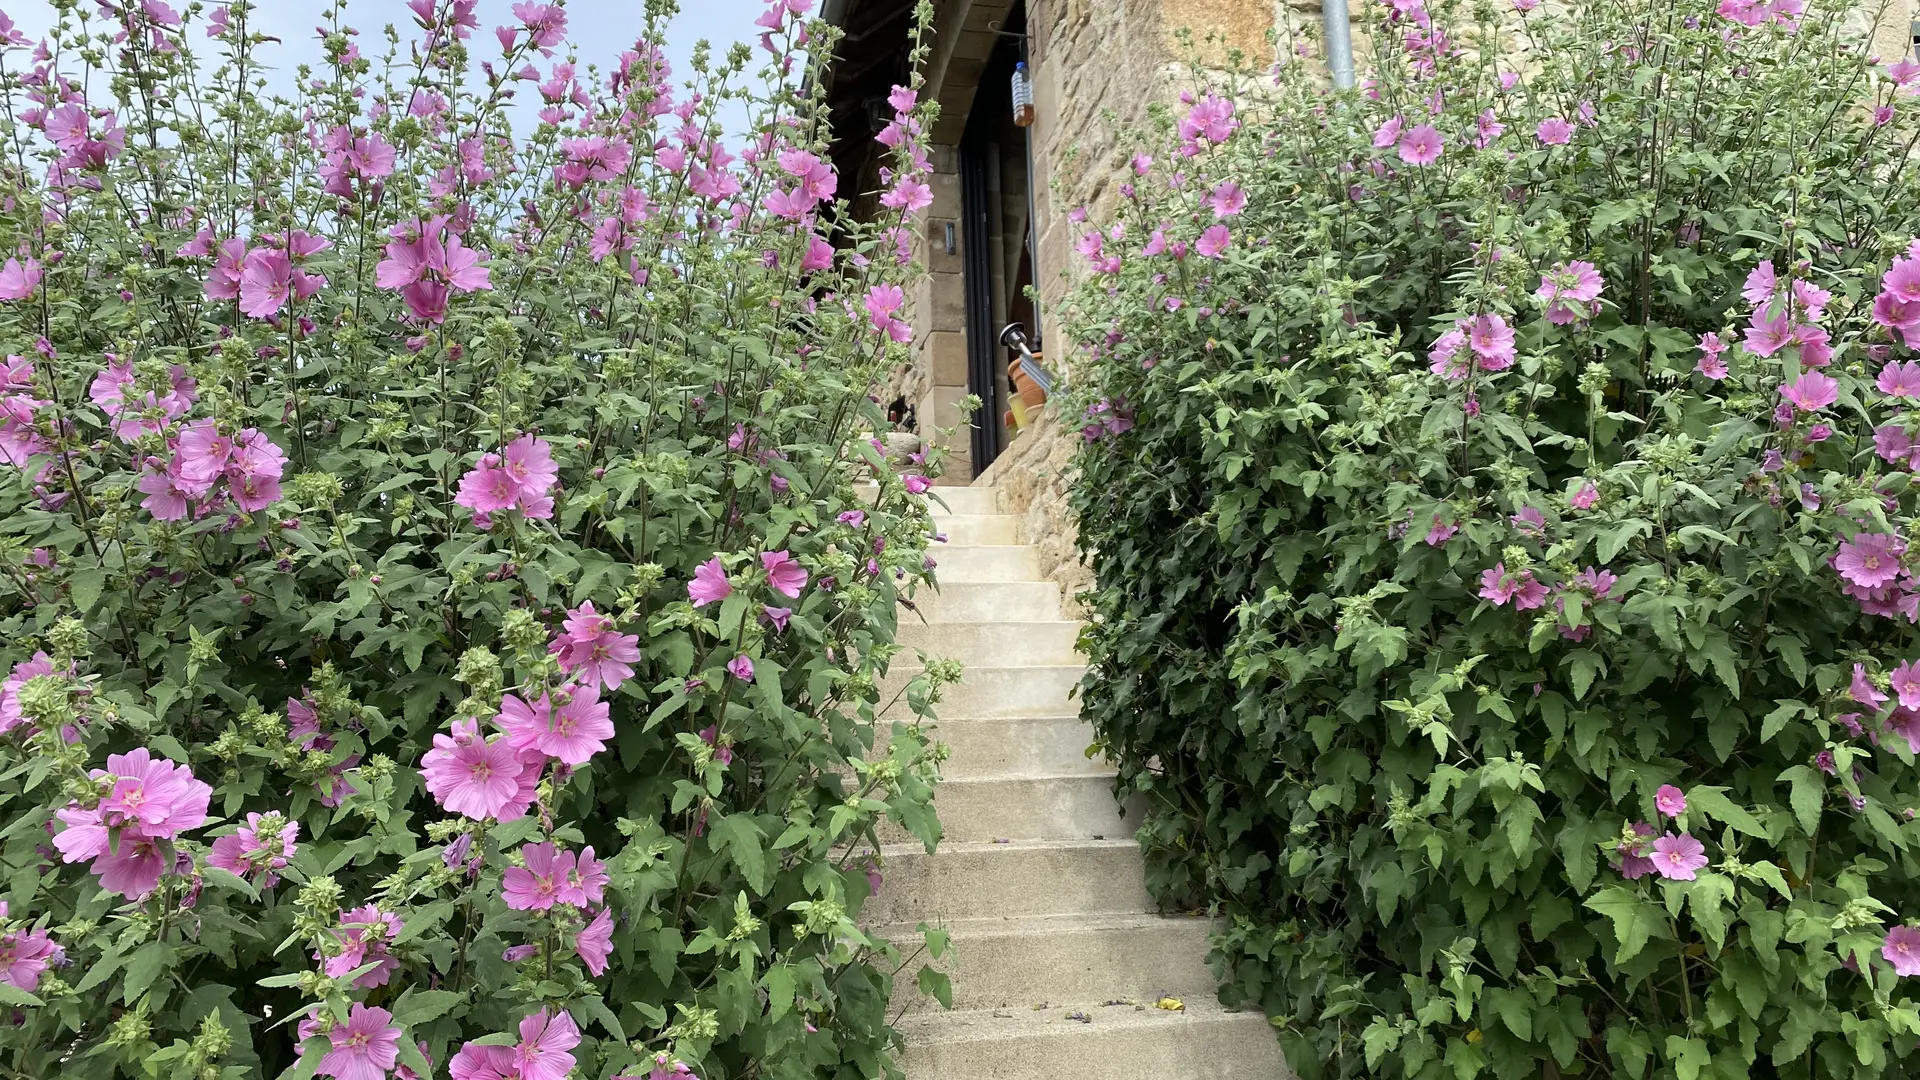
<point>917,484</point>
<point>1421,145</point>
<point>882,303</point>
<point>1213,241</point>
<point>537,885</point>
<point>593,651</point>
<point>1491,340</point>
<point>1900,380</point>
<point>1870,559</point>
<point>1498,587</point>
<point>18,280</point>
<point>709,583</point>
<point>542,1051</point>
<point>476,1062</point>
<point>1677,857</point>
<point>741,667</point>
<point>148,799</point>
<point>1585,498</point>
<point>1634,863</point>
<point>1440,532</point>
<point>365,934</point>
<point>1711,365</point>
<point>594,943</point>
<point>778,616</point>
<point>586,883</point>
<point>784,573</point>
<point>1571,292</point>
<point>1670,800</point>
<point>261,846</point>
<point>546,24</point>
<point>571,733</point>
<point>24,957</point>
<point>1209,120</point>
<point>1760,284</point>
<point>1862,689</point>
<point>1227,199</point>
<point>1388,133</point>
<point>1812,393</point>
<point>1554,131</point>
<point>1902,281</point>
<point>594,157</point>
<point>519,477</point>
<point>470,776</point>
<point>364,1048</point>
<point>223,281</point>
<point>1906,684</point>
<point>1901,948</point>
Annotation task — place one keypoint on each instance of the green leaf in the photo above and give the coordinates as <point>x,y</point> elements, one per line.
<point>144,968</point>
<point>1515,1010</point>
<point>1808,797</point>
<point>421,1006</point>
<point>13,995</point>
<point>1688,1056</point>
<point>1584,665</point>
<point>86,585</point>
<point>739,835</point>
<point>779,984</point>
<point>935,983</point>
<point>1634,917</point>
<point>1713,802</point>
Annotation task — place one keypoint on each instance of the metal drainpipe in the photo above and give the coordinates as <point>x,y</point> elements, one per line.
<point>1033,223</point>
<point>1338,31</point>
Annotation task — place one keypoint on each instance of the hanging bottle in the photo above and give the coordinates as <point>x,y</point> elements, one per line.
<point>1022,96</point>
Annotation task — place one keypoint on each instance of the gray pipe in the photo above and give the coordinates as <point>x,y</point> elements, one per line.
<point>1339,37</point>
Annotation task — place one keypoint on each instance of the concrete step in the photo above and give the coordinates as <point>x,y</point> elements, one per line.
<point>988,601</point>
<point>1024,877</point>
<point>1027,808</point>
<point>974,529</point>
<point>1117,1042</point>
<point>984,562</point>
<point>1024,963</point>
<point>965,500</point>
<point>1030,746</point>
<point>992,644</point>
<point>987,692</point>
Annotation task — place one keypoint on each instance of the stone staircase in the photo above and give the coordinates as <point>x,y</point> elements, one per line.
<point>1059,962</point>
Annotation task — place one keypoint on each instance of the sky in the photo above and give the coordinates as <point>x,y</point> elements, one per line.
<point>598,29</point>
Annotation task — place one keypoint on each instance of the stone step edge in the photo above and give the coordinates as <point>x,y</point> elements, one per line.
<point>963,847</point>
<point>983,927</point>
<point>939,1026</point>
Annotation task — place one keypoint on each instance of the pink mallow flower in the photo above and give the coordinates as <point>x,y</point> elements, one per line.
<point>1571,292</point>
<point>366,1047</point>
<point>1905,680</point>
<point>477,778</point>
<point>1870,559</point>
<point>1900,380</point>
<point>1678,857</point>
<point>1712,364</point>
<point>148,799</point>
<point>883,304</point>
<point>517,478</point>
<point>537,885</point>
<point>25,956</point>
<point>1227,199</point>
<point>1554,131</point>
<point>18,279</point>
<point>543,1050</point>
<point>260,848</point>
<point>1812,392</point>
<point>1421,145</point>
<point>593,651</point>
<point>1901,948</point>
<point>1670,800</point>
<point>571,732</point>
<point>1498,587</point>
<point>594,943</point>
<point>364,937</point>
<point>785,575</point>
<point>709,584</point>
<point>427,263</point>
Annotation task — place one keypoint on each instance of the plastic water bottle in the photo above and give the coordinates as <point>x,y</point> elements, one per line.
<point>1022,96</point>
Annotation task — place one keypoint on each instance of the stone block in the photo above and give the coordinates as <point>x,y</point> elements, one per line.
<point>947,357</point>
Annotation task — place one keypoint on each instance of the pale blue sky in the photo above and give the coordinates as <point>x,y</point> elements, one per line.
<point>598,29</point>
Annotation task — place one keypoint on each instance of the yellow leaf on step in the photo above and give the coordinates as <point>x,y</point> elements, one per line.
<point>1171,1004</point>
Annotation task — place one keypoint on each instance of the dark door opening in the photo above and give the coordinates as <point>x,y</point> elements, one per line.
<point>996,236</point>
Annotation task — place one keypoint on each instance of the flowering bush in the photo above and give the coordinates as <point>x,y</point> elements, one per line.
<point>447,571</point>
<point>1499,485</point>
